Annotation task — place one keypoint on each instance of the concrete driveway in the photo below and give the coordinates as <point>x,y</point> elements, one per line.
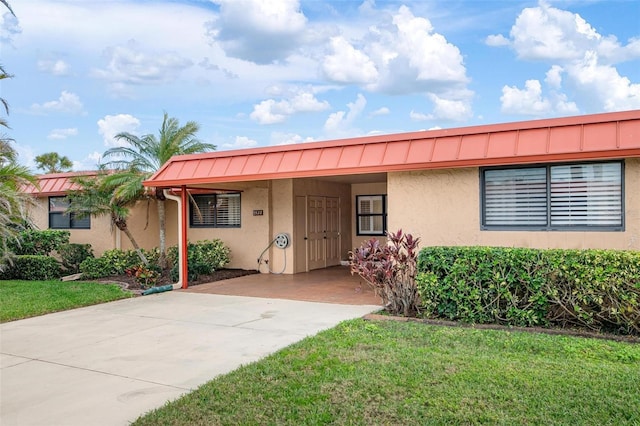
<point>107,364</point>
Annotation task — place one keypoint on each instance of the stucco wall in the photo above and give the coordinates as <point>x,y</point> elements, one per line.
<point>102,236</point>
<point>363,189</point>
<point>443,208</point>
<point>248,241</point>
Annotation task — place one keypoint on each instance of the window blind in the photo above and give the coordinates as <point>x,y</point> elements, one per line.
<point>515,197</point>
<point>586,195</point>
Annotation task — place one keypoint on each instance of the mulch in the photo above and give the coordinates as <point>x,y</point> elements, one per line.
<point>128,282</point>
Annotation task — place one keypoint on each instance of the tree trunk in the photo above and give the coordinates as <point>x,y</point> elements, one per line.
<point>163,238</point>
<point>122,225</point>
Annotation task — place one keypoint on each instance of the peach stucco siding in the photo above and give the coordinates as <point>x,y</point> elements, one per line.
<point>443,208</point>
<point>142,223</point>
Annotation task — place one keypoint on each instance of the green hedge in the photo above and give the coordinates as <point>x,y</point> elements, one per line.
<point>595,289</point>
<point>115,262</point>
<point>32,267</point>
<point>203,257</point>
<point>40,242</point>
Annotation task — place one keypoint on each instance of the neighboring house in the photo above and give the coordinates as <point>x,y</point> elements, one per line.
<point>50,213</point>
<point>563,183</point>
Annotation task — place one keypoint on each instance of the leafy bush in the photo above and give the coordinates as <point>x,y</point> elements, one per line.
<point>596,289</point>
<point>204,257</point>
<point>33,267</point>
<point>114,262</point>
<point>391,270</point>
<point>39,242</point>
<point>72,255</point>
<point>95,267</point>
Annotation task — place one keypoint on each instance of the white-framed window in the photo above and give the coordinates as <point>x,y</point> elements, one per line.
<point>371,214</point>
<point>60,219</point>
<point>579,196</point>
<point>215,211</point>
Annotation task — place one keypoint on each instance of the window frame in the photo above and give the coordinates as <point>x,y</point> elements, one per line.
<point>383,215</point>
<point>215,213</point>
<point>549,226</point>
<point>83,223</point>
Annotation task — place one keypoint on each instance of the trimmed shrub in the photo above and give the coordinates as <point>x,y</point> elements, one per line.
<point>39,242</point>
<point>204,257</point>
<point>93,268</point>
<point>114,262</point>
<point>72,255</point>
<point>33,267</point>
<point>594,289</point>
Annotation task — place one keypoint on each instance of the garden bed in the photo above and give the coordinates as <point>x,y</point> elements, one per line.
<point>129,282</point>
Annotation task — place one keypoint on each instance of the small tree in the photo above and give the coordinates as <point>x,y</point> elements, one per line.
<point>391,270</point>
<point>96,197</point>
<point>52,162</point>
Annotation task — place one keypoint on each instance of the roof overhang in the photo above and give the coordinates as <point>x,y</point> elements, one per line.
<point>589,137</point>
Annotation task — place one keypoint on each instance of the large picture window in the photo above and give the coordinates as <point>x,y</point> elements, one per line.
<point>554,197</point>
<point>60,219</point>
<point>371,214</point>
<point>215,211</point>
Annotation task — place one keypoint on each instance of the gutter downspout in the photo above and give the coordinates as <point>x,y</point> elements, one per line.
<point>182,236</point>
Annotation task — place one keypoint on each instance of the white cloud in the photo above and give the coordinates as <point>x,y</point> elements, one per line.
<point>545,32</point>
<point>280,138</point>
<point>111,125</point>
<point>256,30</point>
<point>526,101</point>
<point>411,57</point>
<point>60,134</point>
<point>603,85</point>
<point>241,142</point>
<point>554,76</point>
<point>449,109</point>
<point>580,58</point>
<point>68,103</point>
<point>497,40</point>
<point>9,28</point>
<point>419,116</point>
<point>90,162</point>
<point>132,65</point>
<point>271,111</point>
<point>346,64</point>
<point>55,67</point>
<point>381,111</point>
<point>339,123</point>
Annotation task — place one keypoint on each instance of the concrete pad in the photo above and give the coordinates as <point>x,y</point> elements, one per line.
<point>108,364</point>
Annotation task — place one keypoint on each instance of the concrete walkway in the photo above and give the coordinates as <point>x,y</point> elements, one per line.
<point>107,364</point>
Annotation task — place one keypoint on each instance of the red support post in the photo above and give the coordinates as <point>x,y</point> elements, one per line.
<point>183,244</point>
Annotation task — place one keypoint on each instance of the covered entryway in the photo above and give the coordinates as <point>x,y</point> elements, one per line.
<point>330,285</point>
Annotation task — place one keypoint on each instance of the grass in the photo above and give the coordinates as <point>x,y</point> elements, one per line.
<point>392,373</point>
<point>23,299</point>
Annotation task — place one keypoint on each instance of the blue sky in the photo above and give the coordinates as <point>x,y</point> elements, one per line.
<point>258,73</point>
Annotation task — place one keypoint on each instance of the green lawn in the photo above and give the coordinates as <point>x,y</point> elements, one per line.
<point>393,373</point>
<point>23,299</point>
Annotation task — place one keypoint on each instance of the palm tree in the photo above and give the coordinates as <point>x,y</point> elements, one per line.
<point>142,156</point>
<point>95,197</point>
<point>14,201</point>
<point>5,104</point>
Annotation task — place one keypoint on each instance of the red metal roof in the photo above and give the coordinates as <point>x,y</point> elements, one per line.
<point>55,184</point>
<point>598,136</point>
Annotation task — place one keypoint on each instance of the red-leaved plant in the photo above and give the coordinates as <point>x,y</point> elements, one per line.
<point>391,270</point>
